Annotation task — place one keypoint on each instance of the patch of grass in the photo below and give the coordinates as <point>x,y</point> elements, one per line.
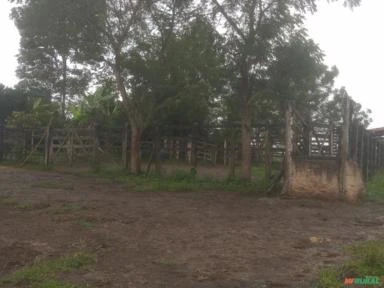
<point>375,187</point>
<point>85,223</point>
<point>55,284</point>
<point>39,166</point>
<point>365,260</point>
<point>179,181</point>
<point>10,202</point>
<point>4,201</point>
<point>166,262</point>
<point>44,274</point>
<point>69,208</point>
<point>53,185</point>
<point>24,206</point>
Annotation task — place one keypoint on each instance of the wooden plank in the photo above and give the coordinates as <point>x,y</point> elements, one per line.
<point>125,142</point>
<point>47,149</point>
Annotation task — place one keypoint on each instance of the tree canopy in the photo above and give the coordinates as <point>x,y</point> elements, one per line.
<point>176,62</point>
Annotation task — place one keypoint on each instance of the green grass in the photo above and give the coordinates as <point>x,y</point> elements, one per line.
<point>10,202</point>
<point>375,187</point>
<point>68,208</point>
<point>44,274</point>
<point>178,181</point>
<point>365,260</point>
<point>53,185</point>
<point>13,203</point>
<point>85,223</point>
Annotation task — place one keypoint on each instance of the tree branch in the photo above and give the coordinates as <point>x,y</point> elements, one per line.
<point>229,19</point>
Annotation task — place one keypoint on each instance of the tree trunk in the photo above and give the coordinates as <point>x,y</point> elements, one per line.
<point>344,153</point>
<point>135,149</point>
<point>64,87</point>
<point>231,148</point>
<point>288,161</point>
<point>135,163</point>
<point>246,138</point>
<point>246,129</point>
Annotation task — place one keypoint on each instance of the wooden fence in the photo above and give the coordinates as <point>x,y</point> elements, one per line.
<point>330,161</point>
<point>341,142</point>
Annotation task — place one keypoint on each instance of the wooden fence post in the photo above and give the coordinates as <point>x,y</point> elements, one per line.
<point>374,156</point>
<point>361,158</point>
<point>356,142</point>
<point>1,141</point>
<point>267,154</point>
<point>194,143</point>
<point>125,136</point>
<point>158,167</point>
<point>289,164</point>
<point>368,156</point>
<point>332,140</point>
<point>71,150</point>
<point>47,146</point>
<point>345,144</point>
<point>95,144</point>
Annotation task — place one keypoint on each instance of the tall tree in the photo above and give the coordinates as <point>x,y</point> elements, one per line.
<point>252,29</point>
<point>124,25</point>
<point>53,32</point>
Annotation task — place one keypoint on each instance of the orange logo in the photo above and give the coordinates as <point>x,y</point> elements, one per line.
<point>349,281</point>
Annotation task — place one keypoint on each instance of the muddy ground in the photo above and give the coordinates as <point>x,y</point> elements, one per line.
<point>202,240</point>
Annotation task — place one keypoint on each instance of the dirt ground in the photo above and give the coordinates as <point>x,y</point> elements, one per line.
<point>202,240</point>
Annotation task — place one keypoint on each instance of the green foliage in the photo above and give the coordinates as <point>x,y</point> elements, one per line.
<point>102,108</point>
<point>332,111</point>
<point>54,33</point>
<point>41,114</point>
<point>166,63</point>
<point>44,274</point>
<point>11,100</point>
<point>366,259</point>
<point>330,279</point>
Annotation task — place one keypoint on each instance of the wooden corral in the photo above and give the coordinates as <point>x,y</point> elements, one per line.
<point>329,161</point>
<point>337,162</point>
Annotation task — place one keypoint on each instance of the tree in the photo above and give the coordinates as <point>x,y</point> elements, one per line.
<point>11,100</point>
<point>253,28</point>
<point>40,114</point>
<point>124,24</point>
<point>53,32</point>
<point>145,50</point>
<point>101,108</point>
<point>298,74</point>
<point>332,111</point>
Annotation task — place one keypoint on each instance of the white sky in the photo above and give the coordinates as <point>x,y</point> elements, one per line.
<point>351,40</point>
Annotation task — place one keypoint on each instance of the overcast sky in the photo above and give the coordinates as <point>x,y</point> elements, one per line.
<point>351,40</point>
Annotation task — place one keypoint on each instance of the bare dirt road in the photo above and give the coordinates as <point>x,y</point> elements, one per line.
<point>205,239</point>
